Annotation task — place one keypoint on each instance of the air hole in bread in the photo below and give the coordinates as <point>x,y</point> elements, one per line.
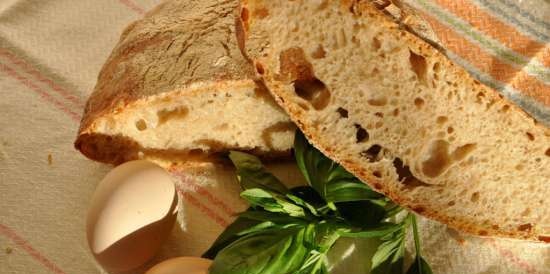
<point>525,227</point>
<point>170,114</point>
<point>343,112</point>
<point>526,212</point>
<point>450,130</point>
<point>396,112</point>
<point>378,101</point>
<point>442,120</point>
<point>530,136</point>
<point>418,65</point>
<point>293,65</point>
<point>419,102</point>
<point>356,41</point>
<point>295,68</point>
<point>405,175</point>
<point>323,5</point>
<point>141,125</point>
<point>474,198</point>
<point>319,53</point>
<point>376,45</point>
<point>519,167</point>
<point>270,133</point>
<point>451,203</point>
<point>438,159</point>
<point>361,134</point>
<point>371,154</point>
<point>462,151</point>
<point>547,153</point>
<point>313,91</point>
<point>260,68</point>
<point>244,15</point>
<point>377,174</point>
<point>436,67</point>
<point>379,114</point>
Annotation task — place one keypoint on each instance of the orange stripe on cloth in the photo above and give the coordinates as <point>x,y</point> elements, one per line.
<point>507,35</point>
<point>27,247</point>
<point>489,64</point>
<point>29,69</point>
<point>43,93</point>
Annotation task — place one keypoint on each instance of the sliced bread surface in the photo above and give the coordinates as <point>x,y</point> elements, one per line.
<point>397,113</point>
<point>177,86</point>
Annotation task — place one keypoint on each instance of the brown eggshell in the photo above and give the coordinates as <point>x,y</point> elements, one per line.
<point>131,214</point>
<point>182,265</point>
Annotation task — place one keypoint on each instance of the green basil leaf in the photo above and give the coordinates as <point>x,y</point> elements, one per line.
<point>329,179</point>
<point>393,266</point>
<point>309,195</point>
<point>299,201</point>
<point>390,252</point>
<point>229,235</point>
<point>348,190</point>
<point>252,174</point>
<point>420,266</point>
<point>363,214</point>
<point>272,202</point>
<point>315,264</point>
<point>375,232</point>
<point>273,252</point>
<point>259,228</point>
<point>392,210</point>
<point>315,166</point>
<point>277,218</point>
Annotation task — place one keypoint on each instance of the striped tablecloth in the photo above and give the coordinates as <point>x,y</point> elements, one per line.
<point>51,52</point>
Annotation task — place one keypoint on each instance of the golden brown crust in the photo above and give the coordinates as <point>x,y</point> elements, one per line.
<point>298,116</point>
<point>177,43</point>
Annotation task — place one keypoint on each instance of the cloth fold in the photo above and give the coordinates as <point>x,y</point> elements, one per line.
<point>51,53</point>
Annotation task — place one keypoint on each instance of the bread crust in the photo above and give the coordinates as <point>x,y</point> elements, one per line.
<point>179,49</point>
<point>280,91</point>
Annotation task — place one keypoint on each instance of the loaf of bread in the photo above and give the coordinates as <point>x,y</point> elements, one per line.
<point>176,87</point>
<point>397,113</point>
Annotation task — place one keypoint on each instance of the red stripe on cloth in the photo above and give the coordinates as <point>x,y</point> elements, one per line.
<point>23,244</point>
<point>209,212</point>
<point>133,6</point>
<point>34,72</point>
<point>512,257</point>
<point>205,193</point>
<point>40,92</point>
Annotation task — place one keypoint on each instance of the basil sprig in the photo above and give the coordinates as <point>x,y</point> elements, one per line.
<point>290,231</point>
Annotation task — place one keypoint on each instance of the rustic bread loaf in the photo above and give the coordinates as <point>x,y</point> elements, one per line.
<point>177,86</point>
<point>398,114</point>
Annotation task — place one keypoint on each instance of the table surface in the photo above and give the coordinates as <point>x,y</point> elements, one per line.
<point>51,53</point>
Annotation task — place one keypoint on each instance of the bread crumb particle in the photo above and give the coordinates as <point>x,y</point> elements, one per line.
<point>9,250</point>
<point>50,159</point>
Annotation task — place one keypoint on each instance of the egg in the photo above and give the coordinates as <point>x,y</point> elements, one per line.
<point>132,212</point>
<point>182,265</point>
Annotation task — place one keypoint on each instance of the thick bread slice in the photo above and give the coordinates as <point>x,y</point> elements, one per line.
<point>397,113</point>
<point>176,86</point>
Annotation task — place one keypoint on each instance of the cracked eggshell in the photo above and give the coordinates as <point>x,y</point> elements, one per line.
<point>131,214</point>
<point>182,265</point>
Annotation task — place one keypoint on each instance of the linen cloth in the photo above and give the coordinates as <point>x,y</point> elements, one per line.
<point>50,55</point>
